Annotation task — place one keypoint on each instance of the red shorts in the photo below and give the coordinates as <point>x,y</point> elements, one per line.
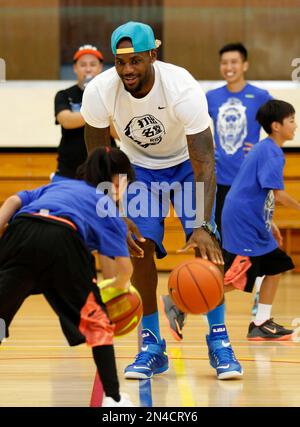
<point>241,271</point>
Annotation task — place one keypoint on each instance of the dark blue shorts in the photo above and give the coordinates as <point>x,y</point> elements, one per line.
<point>149,197</point>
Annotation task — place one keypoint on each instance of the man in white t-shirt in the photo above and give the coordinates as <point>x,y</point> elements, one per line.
<point>160,114</point>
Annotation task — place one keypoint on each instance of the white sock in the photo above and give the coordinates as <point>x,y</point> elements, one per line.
<point>258,282</point>
<point>263,313</point>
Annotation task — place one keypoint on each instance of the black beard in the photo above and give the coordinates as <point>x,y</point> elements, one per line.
<point>135,90</point>
<point>139,87</point>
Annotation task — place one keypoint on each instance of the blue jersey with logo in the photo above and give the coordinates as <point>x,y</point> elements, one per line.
<point>95,215</point>
<point>233,114</point>
<point>249,204</point>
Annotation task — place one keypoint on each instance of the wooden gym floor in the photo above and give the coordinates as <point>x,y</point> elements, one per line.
<point>37,368</point>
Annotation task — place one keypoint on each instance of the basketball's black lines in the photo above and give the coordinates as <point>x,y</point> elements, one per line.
<point>212,274</point>
<point>178,290</point>
<point>175,273</point>
<point>193,277</point>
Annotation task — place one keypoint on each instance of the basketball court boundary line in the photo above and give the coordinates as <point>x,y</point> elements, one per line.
<point>244,359</point>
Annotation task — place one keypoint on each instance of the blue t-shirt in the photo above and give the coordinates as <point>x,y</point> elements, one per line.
<point>233,114</point>
<point>95,215</point>
<point>249,204</point>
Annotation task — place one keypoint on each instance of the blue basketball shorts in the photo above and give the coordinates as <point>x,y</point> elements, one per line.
<point>147,201</point>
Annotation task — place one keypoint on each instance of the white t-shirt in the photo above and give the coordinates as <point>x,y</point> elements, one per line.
<point>152,129</point>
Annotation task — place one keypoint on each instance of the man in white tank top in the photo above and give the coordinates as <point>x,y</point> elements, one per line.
<point>160,114</point>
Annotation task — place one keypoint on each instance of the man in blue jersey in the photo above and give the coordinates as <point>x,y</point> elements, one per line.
<point>233,108</point>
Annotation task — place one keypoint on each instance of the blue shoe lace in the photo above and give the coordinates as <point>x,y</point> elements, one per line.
<point>225,355</point>
<point>144,357</point>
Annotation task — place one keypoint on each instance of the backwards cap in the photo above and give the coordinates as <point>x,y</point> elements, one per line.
<point>141,36</point>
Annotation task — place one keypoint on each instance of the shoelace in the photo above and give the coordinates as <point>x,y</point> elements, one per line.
<point>225,355</point>
<point>145,357</point>
<point>181,318</point>
<point>272,323</point>
<point>179,315</point>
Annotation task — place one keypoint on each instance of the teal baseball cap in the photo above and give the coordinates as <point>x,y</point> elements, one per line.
<point>141,36</point>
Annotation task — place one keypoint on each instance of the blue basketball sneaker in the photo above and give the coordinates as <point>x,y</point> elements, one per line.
<point>221,355</point>
<point>151,360</point>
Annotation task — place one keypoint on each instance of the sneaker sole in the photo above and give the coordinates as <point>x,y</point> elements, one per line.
<point>140,375</point>
<point>230,375</point>
<point>283,338</point>
<point>173,333</point>
<point>136,376</point>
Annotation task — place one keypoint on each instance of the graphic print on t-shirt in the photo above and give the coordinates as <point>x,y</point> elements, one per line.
<point>269,209</point>
<point>145,130</point>
<point>75,106</point>
<point>232,125</point>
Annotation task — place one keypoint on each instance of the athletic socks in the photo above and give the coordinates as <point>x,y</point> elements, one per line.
<point>151,322</point>
<point>263,313</point>
<point>216,316</point>
<point>258,283</point>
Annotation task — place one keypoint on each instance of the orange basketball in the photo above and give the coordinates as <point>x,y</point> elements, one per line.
<point>125,311</point>
<point>196,286</point>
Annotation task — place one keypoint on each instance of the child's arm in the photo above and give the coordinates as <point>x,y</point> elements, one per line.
<point>277,234</point>
<point>8,209</point>
<point>124,272</point>
<point>112,242</point>
<point>286,200</point>
<point>111,288</point>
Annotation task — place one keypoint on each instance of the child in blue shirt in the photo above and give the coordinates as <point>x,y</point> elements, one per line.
<point>250,238</point>
<point>46,249</point>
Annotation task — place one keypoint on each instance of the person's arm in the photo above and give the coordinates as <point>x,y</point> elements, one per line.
<point>64,115</point>
<point>97,118</point>
<point>112,233</point>
<point>286,200</point>
<point>96,137</point>
<point>118,285</point>
<point>8,209</point>
<point>124,272</point>
<point>70,119</point>
<point>201,150</point>
<point>276,233</point>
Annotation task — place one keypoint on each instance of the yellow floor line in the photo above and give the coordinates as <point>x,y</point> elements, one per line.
<point>185,391</point>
